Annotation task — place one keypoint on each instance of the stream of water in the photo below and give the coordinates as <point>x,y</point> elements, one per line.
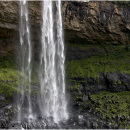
<point>25,59</point>
<point>52,97</point>
<point>51,72</point>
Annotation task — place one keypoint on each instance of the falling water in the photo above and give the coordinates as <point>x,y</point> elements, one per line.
<point>51,72</point>
<point>25,59</point>
<point>51,100</point>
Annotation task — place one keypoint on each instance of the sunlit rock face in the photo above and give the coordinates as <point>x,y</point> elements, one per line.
<point>83,22</point>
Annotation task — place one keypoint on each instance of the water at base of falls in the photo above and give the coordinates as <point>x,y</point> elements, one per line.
<point>50,103</point>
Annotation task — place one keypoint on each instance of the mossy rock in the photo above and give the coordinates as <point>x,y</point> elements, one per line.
<point>12,82</point>
<point>9,80</point>
<point>117,58</point>
<point>114,107</point>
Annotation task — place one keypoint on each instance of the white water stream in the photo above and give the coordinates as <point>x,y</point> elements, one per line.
<point>51,72</point>
<point>25,59</point>
<point>52,98</point>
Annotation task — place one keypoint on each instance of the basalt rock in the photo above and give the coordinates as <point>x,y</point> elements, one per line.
<point>113,82</point>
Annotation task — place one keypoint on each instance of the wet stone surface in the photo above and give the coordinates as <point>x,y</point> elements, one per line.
<point>77,121</point>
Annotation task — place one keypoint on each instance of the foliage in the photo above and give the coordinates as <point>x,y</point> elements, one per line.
<point>116,58</point>
<point>9,81</point>
<point>113,107</point>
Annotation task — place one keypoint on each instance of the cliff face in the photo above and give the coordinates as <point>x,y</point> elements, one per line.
<point>84,22</point>
<point>9,24</point>
<point>96,22</point>
<point>91,69</point>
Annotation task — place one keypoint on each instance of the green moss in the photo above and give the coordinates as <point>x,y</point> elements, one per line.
<point>126,84</point>
<point>85,46</point>
<point>8,61</point>
<point>9,81</point>
<point>12,81</point>
<point>113,106</point>
<point>127,127</point>
<point>118,82</point>
<point>116,59</point>
<point>9,75</point>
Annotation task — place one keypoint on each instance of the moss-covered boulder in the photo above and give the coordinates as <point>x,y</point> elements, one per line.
<point>9,80</point>
<point>112,107</point>
<point>106,70</point>
<point>100,83</point>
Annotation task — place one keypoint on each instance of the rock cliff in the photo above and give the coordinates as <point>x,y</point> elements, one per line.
<point>97,22</point>
<point>84,22</point>
<point>97,72</point>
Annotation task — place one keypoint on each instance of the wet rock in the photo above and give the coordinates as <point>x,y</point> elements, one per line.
<point>3,124</point>
<point>85,98</point>
<point>118,82</point>
<point>94,125</point>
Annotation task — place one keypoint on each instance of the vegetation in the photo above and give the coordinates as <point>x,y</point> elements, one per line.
<point>115,58</point>
<point>114,107</point>
<point>9,81</point>
<point>109,106</point>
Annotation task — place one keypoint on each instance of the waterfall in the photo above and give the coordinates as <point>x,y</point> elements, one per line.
<point>25,59</point>
<point>51,72</point>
